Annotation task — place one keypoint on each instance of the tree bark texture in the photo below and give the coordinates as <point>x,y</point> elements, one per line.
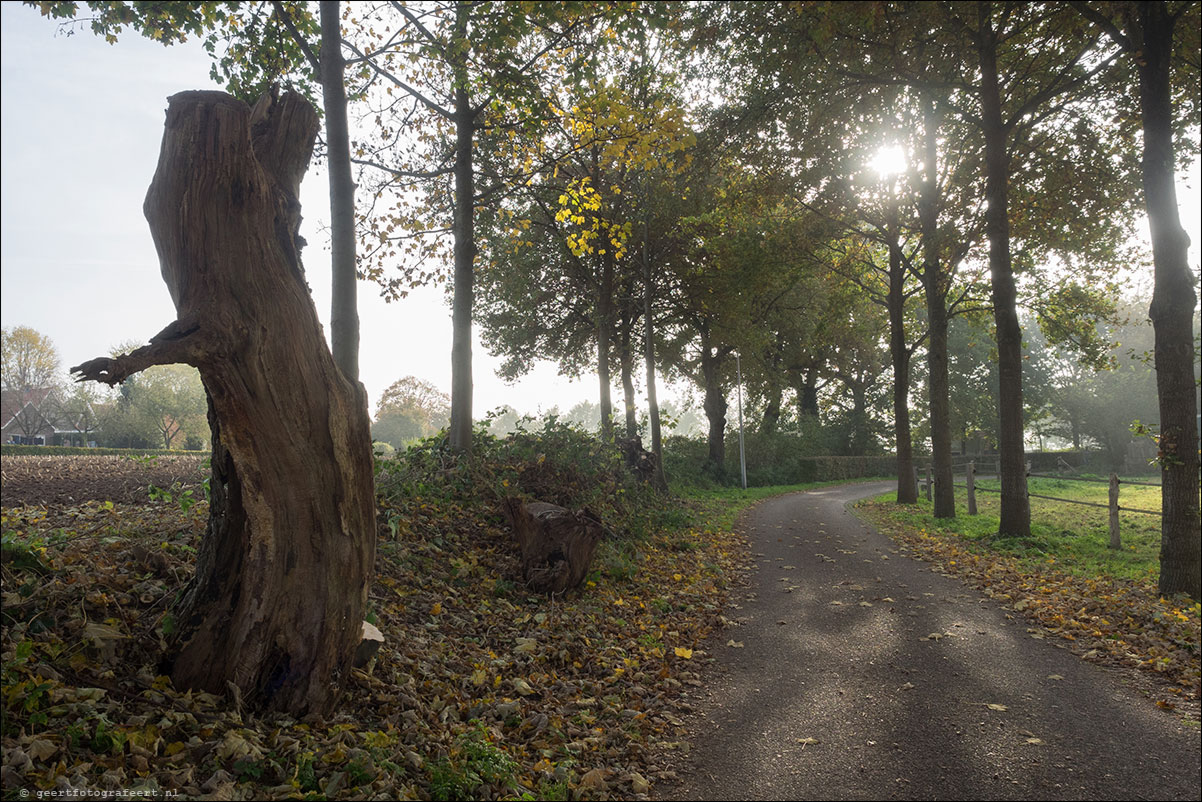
<point>557,544</point>
<point>344,310</point>
<point>276,605</point>
<point>935,286</point>
<point>899,353</point>
<point>1015,508</point>
<point>1173,299</point>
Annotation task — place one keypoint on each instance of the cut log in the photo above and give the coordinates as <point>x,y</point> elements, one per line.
<point>283,570</point>
<point>557,544</point>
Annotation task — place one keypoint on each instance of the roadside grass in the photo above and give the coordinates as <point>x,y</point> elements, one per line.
<point>1065,581</point>
<point>1072,537</point>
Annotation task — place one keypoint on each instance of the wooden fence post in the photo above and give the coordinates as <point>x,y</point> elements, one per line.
<point>915,481</point>
<point>928,488</point>
<point>1115,543</point>
<point>972,489</point>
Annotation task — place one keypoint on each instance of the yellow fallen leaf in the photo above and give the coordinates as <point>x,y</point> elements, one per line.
<point>1035,741</point>
<point>1055,676</point>
<point>683,652</point>
<point>734,644</point>
<point>436,609</point>
<point>1001,708</point>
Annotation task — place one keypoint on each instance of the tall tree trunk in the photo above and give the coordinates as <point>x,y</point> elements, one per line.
<point>772,407</point>
<point>773,389</point>
<point>807,392</point>
<point>935,286</point>
<point>463,224</point>
<point>1015,509</point>
<point>344,311</point>
<point>1172,310</point>
<point>276,605</point>
<point>715,411</point>
<point>858,444</point>
<point>626,361</point>
<point>660,479</point>
<point>604,323</point>
<point>899,353</point>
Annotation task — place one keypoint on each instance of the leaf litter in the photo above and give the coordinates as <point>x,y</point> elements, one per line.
<point>480,690</point>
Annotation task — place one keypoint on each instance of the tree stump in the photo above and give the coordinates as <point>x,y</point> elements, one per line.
<point>639,461</point>
<point>276,605</point>
<point>557,544</point>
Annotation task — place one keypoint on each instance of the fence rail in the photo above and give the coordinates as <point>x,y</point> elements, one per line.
<point>1112,506</point>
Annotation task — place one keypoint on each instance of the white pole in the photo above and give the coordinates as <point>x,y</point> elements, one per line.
<point>742,454</point>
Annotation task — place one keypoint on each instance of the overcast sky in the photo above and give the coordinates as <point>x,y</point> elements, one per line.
<point>82,124</point>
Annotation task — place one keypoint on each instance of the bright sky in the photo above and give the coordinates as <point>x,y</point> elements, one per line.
<point>82,123</point>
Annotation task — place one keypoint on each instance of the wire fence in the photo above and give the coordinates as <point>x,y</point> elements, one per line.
<point>972,474</point>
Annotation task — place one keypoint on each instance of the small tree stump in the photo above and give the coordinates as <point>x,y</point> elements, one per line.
<point>557,544</point>
<point>640,462</point>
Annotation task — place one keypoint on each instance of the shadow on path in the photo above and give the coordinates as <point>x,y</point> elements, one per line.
<point>865,675</point>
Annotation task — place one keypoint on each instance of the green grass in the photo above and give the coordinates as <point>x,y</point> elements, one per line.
<point>1075,538</point>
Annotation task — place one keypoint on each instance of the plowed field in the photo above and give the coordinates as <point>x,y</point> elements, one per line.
<point>73,479</point>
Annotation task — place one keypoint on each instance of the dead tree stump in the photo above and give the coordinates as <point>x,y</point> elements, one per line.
<point>276,606</point>
<point>640,462</point>
<point>557,544</point>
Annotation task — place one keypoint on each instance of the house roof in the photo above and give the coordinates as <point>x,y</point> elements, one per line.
<point>12,402</point>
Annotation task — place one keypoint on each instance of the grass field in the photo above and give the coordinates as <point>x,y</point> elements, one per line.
<point>1074,537</point>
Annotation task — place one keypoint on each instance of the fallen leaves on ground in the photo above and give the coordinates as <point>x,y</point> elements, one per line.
<point>481,690</point>
<point>1122,623</point>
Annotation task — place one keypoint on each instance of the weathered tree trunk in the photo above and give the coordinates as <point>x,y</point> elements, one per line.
<point>1015,508</point>
<point>459,434</point>
<point>1173,299</point>
<point>935,285</point>
<point>557,544</point>
<point>276,605</point>
<point>344,309</point>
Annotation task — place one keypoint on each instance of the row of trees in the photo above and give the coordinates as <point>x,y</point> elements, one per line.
<point>163,407</point>
<point>682,184</point>
<point>611,183</point>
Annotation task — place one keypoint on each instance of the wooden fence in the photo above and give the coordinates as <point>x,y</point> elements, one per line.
<point>1113,507</point>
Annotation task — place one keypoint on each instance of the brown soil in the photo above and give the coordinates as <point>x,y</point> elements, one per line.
<point>74,479</point>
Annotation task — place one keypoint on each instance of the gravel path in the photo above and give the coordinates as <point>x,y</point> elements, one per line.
<point>865,675</point>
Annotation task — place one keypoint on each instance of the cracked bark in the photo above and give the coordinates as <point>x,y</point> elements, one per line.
<point>276,604</point>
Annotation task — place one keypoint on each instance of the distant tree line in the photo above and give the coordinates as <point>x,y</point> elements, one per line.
<point>163,407</point>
